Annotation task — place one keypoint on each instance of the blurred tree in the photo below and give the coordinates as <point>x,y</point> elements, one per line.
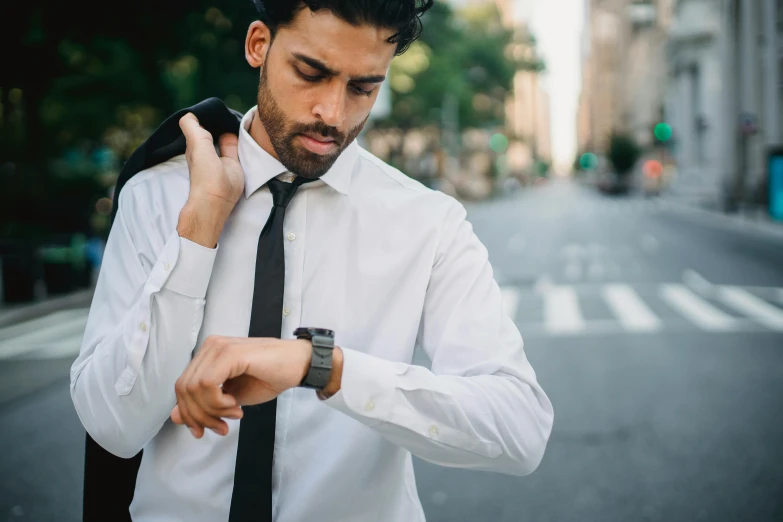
<point>83,83</point>
<point>467,54</point>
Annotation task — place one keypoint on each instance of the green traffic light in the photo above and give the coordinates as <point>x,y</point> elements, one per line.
<point>498,143</point>
<point>588,161</point>
<point>663,132</point>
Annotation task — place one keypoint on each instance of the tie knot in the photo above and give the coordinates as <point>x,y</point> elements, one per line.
<point>282,192</point>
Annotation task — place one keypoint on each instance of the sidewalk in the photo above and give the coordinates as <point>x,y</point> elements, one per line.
<point>11,314</point>
<point>755,220</point>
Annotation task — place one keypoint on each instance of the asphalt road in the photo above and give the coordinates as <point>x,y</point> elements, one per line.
<point>657,333</point>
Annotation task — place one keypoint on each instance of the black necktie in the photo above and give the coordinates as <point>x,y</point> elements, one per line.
<point>252,497</point>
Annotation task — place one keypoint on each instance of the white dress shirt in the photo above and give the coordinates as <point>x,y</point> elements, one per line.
<point>385,262</point>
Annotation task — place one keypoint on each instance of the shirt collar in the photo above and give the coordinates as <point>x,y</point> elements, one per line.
<point>260,166</point>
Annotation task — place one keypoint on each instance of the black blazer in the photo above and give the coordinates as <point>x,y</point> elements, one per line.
<point>109,481</point>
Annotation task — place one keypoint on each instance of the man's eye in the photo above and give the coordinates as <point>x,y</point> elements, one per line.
<point>359,90</point>
<point>308,78</point>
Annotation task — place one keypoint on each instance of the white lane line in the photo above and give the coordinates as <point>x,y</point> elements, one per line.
<point>697,310</point>
<point>34,337</point>
<point>510,297</point>
<point>65,347</point>
<point>753,307</point>
<point>561,310</point>
<point>629,308</point>
<point>55,318</point>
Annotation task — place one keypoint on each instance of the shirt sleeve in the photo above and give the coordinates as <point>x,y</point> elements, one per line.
<point>480,407</point>
<point>141,330</point>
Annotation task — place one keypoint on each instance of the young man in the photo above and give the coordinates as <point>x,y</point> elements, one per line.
<point>214,261</point>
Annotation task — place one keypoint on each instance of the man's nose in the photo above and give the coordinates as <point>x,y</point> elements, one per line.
<point>331,106</point>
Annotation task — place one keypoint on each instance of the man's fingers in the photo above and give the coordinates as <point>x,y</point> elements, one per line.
<point>228,146</point>
<point>193,131</point>
<point>176,416</point>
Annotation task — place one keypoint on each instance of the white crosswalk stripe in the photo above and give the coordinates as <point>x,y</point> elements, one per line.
<point>630,310</point>
<point>754,307</point>
<point>697,310</point>
<point>52,336</point>
<point>561,310</point>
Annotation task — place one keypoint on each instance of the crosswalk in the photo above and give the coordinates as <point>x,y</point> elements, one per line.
<point>554,310</point>
<point>562,310</point>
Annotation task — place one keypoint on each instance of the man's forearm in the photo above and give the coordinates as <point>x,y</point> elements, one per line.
<point>202,223</point>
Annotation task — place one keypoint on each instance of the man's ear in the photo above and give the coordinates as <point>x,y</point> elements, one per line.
<point>257,43</point>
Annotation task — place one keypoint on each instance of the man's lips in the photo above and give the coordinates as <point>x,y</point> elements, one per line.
<point>319,144</point>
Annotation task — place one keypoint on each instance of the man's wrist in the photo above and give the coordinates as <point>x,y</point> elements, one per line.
<point>202,222</point>
<point>336,377</point>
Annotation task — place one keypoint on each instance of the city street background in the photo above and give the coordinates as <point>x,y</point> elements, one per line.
<point>622,161</point>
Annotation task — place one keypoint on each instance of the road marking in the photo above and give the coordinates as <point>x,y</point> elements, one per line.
<point>629,308</point>
<point>755,308</point>
<point>510,297</point>
<point>55,335</point>
<point>697,310</point>
<point>561,310</point>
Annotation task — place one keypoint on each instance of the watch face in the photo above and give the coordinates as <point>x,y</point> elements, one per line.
<point>314,331</point>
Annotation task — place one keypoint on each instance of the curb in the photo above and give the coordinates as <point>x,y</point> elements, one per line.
<point>718,219</point>
<point>21,313</point>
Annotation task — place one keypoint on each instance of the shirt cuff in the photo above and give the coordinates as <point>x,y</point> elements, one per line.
<point>367,388</point>
<point>193,268</point>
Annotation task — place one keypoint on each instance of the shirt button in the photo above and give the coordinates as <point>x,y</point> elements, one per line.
<point>369,406</point>
<point>291,236</point>
<point>433,430</point>
<point>166,266</point>
<point>286,312</point>
<point>143,327</point>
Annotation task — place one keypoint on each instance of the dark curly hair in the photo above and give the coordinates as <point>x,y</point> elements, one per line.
<point>403,16</point>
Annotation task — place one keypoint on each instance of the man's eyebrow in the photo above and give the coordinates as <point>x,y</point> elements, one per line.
<point>324,69</point>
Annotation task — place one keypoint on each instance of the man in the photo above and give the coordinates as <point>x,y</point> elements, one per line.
<point>214,261</point>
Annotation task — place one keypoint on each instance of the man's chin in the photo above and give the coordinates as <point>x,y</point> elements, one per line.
<point>311,165</point>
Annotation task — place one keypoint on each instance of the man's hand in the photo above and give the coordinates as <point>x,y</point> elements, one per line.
<point>230,372</point>
<point>216,182</point>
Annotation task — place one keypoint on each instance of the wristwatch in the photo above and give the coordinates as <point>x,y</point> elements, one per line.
<point>321,362</point>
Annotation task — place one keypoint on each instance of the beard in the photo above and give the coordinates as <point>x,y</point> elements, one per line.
<point>282,134</point>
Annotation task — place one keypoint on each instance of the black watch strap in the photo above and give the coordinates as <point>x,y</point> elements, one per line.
<point>321,362</point>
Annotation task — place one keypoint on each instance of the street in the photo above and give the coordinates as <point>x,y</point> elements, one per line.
<point>656,332</point>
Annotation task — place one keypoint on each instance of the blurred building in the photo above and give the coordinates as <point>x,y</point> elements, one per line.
<point>528,114</point>
<point>724,99</point>
<point>527,106</point>
<point>623,70</point>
